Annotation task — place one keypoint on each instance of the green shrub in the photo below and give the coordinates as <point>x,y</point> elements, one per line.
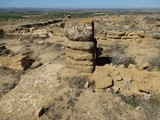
<point>131,100</point>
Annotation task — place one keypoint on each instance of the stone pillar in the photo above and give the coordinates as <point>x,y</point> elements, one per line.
<point>81,45</point>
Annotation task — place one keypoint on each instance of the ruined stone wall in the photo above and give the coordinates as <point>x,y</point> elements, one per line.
<point>81,45</point>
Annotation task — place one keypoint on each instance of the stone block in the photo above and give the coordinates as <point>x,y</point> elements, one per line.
<point>80,30</point>
<point>79,54</point>
<point>18,62</point>
<point>71,61</point>
<point>79,45</point>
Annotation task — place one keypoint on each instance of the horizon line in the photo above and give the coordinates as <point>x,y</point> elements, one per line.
<point>78,8</point>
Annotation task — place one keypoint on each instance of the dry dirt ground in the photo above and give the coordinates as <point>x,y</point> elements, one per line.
<point>124,86</point>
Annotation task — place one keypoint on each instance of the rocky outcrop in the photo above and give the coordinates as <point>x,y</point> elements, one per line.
<point>125,81</point>
<point>123,35</point>
<point>17,62</point>
<point>4,50</point>
<point>81,46</point>
<point>41,23</point>
<point>36,30</point>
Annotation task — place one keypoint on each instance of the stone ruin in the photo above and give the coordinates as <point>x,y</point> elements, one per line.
<point>81,45</point>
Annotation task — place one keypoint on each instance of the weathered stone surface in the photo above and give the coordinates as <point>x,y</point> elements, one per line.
<point>114,37</point>
<point>101,81</point>
<point>17,62</point>
<point>116,33</point>
<point>79,54</point>
<point>4,50</point>
<point>25,51</point>
<point>156,35</point>
<point>86,69</point>
<point>36,64</point>
<point>81,47</point>
<point>71,61</point>
<point>78,45</point>
<point>80,30</point>
<point>141,33</point>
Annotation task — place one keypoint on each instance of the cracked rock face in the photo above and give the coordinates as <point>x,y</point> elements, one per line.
<point>79,31</point>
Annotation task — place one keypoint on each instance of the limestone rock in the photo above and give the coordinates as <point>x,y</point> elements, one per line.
<point>86,69</point>
<point>131,66</point>
<point>17,62</point>
<point>77,45</point>
<point>141,33</point>
<point>4,50</point>
<point>79,54</point>
<point>115,34</point>
<point>36,64</point>
<point>71,61</point>
<point>102,81</point>
<point>80,30</point>
<point>81,46</point>
<point>156,35</point>
<point>25,51</point>
<point>86,85</point>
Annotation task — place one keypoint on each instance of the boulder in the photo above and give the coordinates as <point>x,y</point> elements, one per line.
<point>4,50</point>
<point>18,62</point>
<point>102,77</point>
<point>141,33</point>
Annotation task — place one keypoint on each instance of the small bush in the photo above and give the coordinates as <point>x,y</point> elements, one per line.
<point>77,82</point>
<point>154,63</point>
<point>118,59</point>
<point>131,100</point>
<point>117,48</point>
<point>118,56</point>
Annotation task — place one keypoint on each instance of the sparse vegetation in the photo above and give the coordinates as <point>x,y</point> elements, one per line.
<point>155,100</point>
<point>131,100</point>
<point>118,56</point>
<point>9,80</point>
<point>77,82</point>
<point>154,63</point>
<point>151,19</point>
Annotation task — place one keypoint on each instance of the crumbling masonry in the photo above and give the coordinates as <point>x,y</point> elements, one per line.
<point>81,46</point>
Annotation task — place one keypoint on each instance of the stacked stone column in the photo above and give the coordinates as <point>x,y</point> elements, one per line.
<point>81,45</point>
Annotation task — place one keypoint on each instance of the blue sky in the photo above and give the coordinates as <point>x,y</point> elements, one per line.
<point>81,3</point>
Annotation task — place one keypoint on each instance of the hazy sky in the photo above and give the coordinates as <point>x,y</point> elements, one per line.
<point>81,3</point>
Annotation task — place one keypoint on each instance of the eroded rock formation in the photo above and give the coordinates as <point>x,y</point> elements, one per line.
<point>81,46</point>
